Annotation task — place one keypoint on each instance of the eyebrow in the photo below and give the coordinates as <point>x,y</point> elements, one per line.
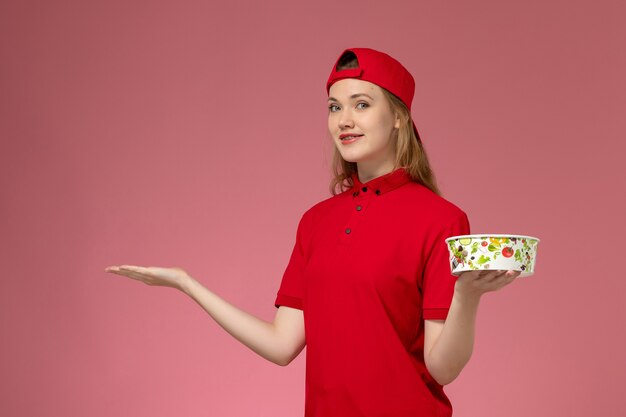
<point>353,96</point>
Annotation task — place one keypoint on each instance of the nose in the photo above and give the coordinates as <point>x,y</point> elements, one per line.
<point>346,120</point>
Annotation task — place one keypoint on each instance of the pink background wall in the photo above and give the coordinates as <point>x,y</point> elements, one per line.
<point>192,134</point>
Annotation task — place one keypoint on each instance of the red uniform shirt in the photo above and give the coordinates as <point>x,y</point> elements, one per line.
<point>368,266</point>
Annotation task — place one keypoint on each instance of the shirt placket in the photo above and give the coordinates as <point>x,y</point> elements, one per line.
<point>359,204</point>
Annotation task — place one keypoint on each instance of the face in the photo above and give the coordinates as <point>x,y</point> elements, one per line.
<point>360,107</point>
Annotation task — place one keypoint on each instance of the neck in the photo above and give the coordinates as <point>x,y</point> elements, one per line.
<point>368,172</point>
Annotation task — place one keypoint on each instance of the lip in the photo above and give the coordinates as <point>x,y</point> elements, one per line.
<point>343,135</point>
<point>349,141</point>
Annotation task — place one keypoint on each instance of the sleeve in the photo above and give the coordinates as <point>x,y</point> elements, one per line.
<point>291,288</point>
<point>438,281</point>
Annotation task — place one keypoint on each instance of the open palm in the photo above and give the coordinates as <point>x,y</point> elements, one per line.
<point>479,282</point>
<point>152,275</point>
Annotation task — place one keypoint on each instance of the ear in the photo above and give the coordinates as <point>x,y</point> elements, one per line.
<point>397,123</point>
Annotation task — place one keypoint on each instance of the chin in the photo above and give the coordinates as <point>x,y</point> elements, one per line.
<point>351,158</point>
<point>350,155</point>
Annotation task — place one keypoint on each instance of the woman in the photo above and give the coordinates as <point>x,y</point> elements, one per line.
<point>368,286</point>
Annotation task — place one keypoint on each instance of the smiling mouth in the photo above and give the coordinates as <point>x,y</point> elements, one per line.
<point>350,139</point>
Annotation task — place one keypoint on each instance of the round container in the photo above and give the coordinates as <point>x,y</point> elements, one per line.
<point>493,252</point>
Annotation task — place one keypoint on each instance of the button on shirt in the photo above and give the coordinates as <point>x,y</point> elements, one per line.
<point>368,266</point>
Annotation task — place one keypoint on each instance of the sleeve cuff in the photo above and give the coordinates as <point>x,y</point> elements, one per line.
<point>288,301</point>
<point>435,313</point>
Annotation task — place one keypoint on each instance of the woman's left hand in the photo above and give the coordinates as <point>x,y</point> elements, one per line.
<point>476,283</point>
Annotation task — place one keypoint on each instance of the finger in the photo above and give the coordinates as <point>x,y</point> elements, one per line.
<point>505,279</point>
<point>472,275</point>
<point>486,274</point>
<point>481,275</point>
<point>116,270</point>
<point>494,276</point>
<point>135,275</point>
<point>512,274</point>
<point>483,279</point>
<point>128,272</point>
<point>138,269</point>
<point>129,267</point>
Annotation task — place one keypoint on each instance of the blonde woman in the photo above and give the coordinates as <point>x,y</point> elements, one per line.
<point>368,287</point>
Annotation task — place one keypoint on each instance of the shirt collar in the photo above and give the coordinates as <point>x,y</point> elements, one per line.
<point>382,184</point>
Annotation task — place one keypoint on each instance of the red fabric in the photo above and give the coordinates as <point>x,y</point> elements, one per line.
<point>379,68</point>
<point>365,295</point>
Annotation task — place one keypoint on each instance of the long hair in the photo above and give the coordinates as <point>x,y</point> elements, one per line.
<point>410,152</point>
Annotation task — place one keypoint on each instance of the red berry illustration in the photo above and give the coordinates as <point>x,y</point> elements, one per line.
<point>507,252</point>
<point>483,243</point>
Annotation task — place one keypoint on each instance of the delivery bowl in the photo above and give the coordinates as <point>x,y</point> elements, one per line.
<point>493,252</point>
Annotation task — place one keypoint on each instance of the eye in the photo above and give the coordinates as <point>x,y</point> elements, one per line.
<point>331,107</point>
<point>362,102</point>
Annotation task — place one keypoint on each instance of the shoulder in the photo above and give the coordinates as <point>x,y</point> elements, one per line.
<point>323,208</point>
<point>420,197</point>
<point>327,205</point>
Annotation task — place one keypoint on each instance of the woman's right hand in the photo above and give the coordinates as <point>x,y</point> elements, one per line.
<point>279,341</point>
<point>152,275</point>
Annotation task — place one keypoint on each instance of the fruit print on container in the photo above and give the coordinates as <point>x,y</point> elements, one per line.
<point>503,252</point>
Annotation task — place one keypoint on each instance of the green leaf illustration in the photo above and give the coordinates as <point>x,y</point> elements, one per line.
<point>482,260</point>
